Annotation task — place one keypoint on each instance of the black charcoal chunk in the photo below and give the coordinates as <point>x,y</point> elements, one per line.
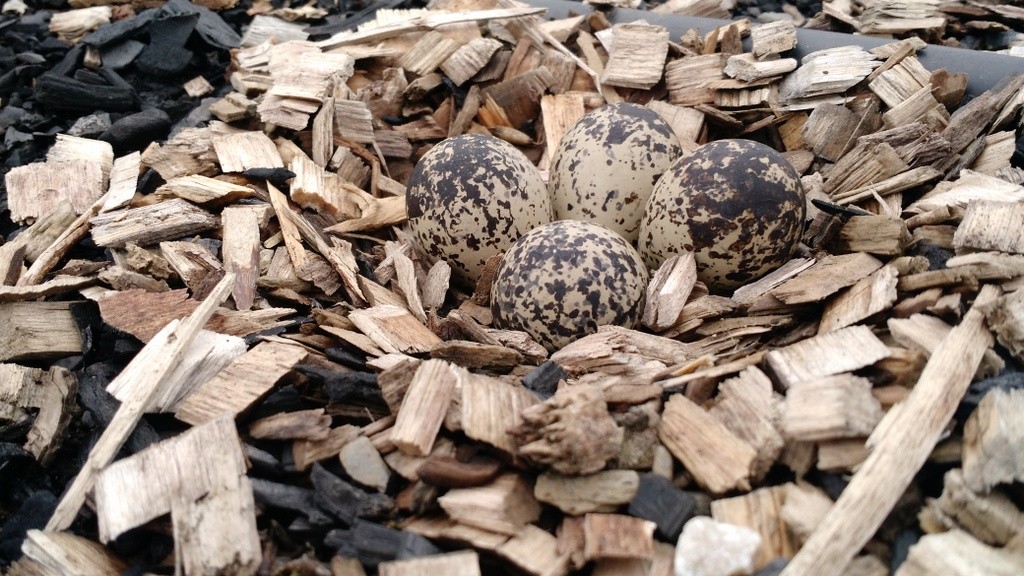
<point>146,549</point>
<point>210,27</point>
<point>67,94</point>
<point>263,463</point>
<point>279,177</point>
<point>374,543</point>
<point>282,496</point>
<point>661,502</point>
<point>137,131</point>
<point>1009,379</point>
<point>346,358</point>
<point>11,116</point>
<point>901,548</point>
<point>114,32</point>
<point>89,77</point>
<point>343,386</point>
<point>166,54</point>
<point>543,380</point>
<point>93,396</point>
<point>33,514</point>
<point>832,484</point>
<point>345,501</point>
<point>101,341</point>
<point>117,56</point>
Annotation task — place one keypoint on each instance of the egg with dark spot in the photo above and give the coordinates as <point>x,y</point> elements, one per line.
<point>605,167</point>
<point>470,197</point>
<point>736,204</point>
<point>563,280</point>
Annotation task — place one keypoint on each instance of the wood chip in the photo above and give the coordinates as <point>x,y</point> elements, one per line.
<point>826,277</point>
<point>826,355</point>
<point>147,225</point>
<point>637,56</point>
<point>830,408</point>
<point>718,460</point>
<point>992,226</point>
<point>668,292</point>
<point>424,407</point>
<point>503,506</point>
<point>617,536</point>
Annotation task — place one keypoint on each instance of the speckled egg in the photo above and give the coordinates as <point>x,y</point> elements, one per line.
<point>737,204</point>
<point>605,166</point>
<point>563,280</point>
<point>470,197</point>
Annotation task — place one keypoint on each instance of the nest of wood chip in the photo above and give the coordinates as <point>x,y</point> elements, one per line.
<point>337,407</point>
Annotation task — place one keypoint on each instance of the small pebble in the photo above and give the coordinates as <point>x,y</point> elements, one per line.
<point>710,548</point>
<point>90,126</point>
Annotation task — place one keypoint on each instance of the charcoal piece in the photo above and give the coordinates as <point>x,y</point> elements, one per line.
<point>145,548</point>
<point>543,380</point>
<point>279,177</point>
<point>294,499</point>
<point>290,498</point>
<point>16,463</point>
<point>101,406</point>
<point>1017,160</point>
<point>285,399</point>
<point>51,47</point>
<point>33,513</point>
<point>120,30</point>
<point>117,56</point>
<point>89,77</point>
<point>901,548</point>
<point>67,94</point>
<point>345,501</point>
<point>773,568</point>
<point>262,462</point>
<point>283,496</point>
<point>659,501</point>
<point>1008,379</point>
<point>136,131</point>
<point>832,484</point>
<point>374,543</point>
<point>19,76</point>
<point>344,386</point>
<point>101,341</point>
<point>254,339</point>
<point>210,27</point>
<point>149,181</point>
<point>301,528</point>
<point>71,60</point>
<point>340,540</point>
<point>199,115</point>
<point>166,54</point>
<point>936,255</point>
<point>346,358</point>
<point>31,58</point>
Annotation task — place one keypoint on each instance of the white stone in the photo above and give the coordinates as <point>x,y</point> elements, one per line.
<point>710,548</point>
